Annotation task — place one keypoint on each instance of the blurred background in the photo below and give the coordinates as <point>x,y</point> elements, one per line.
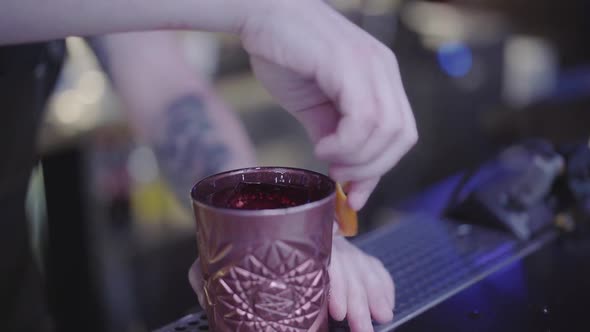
<point>480,75</point>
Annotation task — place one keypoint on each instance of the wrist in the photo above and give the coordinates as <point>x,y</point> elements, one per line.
<point>216,15</point>
<point>261,12</point>
<point>270,15</point>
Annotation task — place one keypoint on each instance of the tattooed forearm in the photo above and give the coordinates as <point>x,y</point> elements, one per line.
<point>185,134</point>
<point>189,147</point>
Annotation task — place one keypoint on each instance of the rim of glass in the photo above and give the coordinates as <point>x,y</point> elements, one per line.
<point>264,212</point>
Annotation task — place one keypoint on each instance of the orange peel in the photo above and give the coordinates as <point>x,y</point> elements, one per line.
<point>346,216</point>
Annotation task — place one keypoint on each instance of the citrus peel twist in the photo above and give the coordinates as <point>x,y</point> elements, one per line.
<point>346,216</point>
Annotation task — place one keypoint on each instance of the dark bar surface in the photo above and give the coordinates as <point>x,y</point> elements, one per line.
<point>431,260</point>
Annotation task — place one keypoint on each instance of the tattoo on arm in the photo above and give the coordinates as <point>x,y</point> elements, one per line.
<point>188,146</point>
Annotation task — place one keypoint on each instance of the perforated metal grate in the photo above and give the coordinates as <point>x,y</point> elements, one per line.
<point>430,259</point>
<point>190,323</point>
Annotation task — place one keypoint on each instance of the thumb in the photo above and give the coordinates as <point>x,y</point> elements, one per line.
<point>196,280</point>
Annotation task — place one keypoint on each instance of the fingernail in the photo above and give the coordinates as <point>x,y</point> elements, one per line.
<point>390,316</point>
<point>387,312</point>
<point>389,301</point>
<point>355,201</point>
<point>335,174</point>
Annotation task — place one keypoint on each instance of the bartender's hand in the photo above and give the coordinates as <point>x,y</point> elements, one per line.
<point>341,83</point>
<point>361,288</point>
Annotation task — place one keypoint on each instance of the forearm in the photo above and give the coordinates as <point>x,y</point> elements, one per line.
<point>35,20</point>
<point>192,132</point>
<point>194,138</point>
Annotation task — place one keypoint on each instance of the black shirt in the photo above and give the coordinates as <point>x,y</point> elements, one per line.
<point>27,76</point>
